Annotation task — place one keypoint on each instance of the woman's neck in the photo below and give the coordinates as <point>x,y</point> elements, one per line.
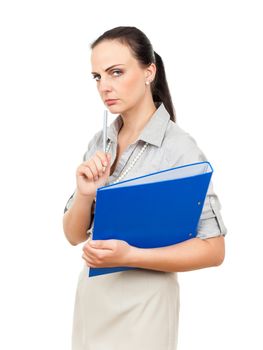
<point>135,119</point>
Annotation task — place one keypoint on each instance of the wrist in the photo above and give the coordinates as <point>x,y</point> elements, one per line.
<point>134,256</point>
<point>83,199</point>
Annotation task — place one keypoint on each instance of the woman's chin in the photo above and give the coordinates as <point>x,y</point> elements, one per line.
<point>115,108</point>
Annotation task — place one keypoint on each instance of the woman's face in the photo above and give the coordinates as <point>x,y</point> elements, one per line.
<point>118,75</point>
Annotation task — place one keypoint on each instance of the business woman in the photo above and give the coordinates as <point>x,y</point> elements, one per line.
<point>134,309</point>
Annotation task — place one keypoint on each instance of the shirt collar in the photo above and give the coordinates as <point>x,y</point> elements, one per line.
<point>154,130</point>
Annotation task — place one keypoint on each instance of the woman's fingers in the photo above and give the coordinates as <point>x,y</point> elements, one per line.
<point>85,170</point>
<point>96,165</point>
<point>103,157</point>
<point>88,261</point>
<point>102,161</point>
<point>89,251</point>
<point>89,168</point>
<point>98,162</point>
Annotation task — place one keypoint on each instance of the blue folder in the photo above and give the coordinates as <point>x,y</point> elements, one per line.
<point>154,210</point>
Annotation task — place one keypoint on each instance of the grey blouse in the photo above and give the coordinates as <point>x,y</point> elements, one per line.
<point>169,146</point>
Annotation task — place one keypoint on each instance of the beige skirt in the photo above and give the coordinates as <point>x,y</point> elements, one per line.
<point>128,310</point>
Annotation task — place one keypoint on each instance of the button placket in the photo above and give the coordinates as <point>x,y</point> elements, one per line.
<point>123,161</point>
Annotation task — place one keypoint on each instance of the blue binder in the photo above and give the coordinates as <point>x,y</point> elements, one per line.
<point>154,210</point>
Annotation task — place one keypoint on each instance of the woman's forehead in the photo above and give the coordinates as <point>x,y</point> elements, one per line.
<point>104,60</point>
<point>110,52</point>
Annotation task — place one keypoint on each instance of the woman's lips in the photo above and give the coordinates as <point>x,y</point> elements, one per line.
<point>111,102</point>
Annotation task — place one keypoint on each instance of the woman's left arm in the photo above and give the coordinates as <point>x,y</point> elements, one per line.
<point>189,255</point>
<point>195,253</point>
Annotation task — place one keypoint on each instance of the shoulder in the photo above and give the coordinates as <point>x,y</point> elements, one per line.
<point>181,147</point>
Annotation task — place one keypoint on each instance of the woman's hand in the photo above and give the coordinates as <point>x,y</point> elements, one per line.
<point>107,253</point>
<point>93,173</point>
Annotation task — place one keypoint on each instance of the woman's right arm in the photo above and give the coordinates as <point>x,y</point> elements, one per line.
<point>90,175</point>
<point>77,219</point>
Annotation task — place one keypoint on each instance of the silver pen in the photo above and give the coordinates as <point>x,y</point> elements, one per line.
<point>105,130</point>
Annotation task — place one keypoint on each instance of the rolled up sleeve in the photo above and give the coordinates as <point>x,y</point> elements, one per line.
<point>211,223</point>
<point>69,202</point>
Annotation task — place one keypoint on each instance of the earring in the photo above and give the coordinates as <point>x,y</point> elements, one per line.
<point>147,82</point>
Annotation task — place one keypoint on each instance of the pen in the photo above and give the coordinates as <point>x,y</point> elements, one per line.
<point>105,130</point>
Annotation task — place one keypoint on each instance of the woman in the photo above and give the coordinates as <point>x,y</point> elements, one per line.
<point>134,309</point>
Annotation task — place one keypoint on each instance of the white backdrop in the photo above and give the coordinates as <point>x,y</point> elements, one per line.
<point>50,108</point>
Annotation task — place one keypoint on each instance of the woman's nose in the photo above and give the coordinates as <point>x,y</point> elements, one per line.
<point>104,85</point>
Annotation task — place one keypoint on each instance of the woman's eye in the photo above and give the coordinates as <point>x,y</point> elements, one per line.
<point>95,77</point>
<point>116,71</point>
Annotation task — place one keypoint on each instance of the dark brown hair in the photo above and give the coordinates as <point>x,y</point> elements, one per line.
<point>142,50</point>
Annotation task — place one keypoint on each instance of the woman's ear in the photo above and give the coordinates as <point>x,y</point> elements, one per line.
<point>150,72</point>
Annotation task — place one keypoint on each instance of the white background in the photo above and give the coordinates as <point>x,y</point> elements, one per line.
<point>50,108</point>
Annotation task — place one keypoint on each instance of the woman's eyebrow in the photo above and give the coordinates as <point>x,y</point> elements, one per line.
<point>119,64</point>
